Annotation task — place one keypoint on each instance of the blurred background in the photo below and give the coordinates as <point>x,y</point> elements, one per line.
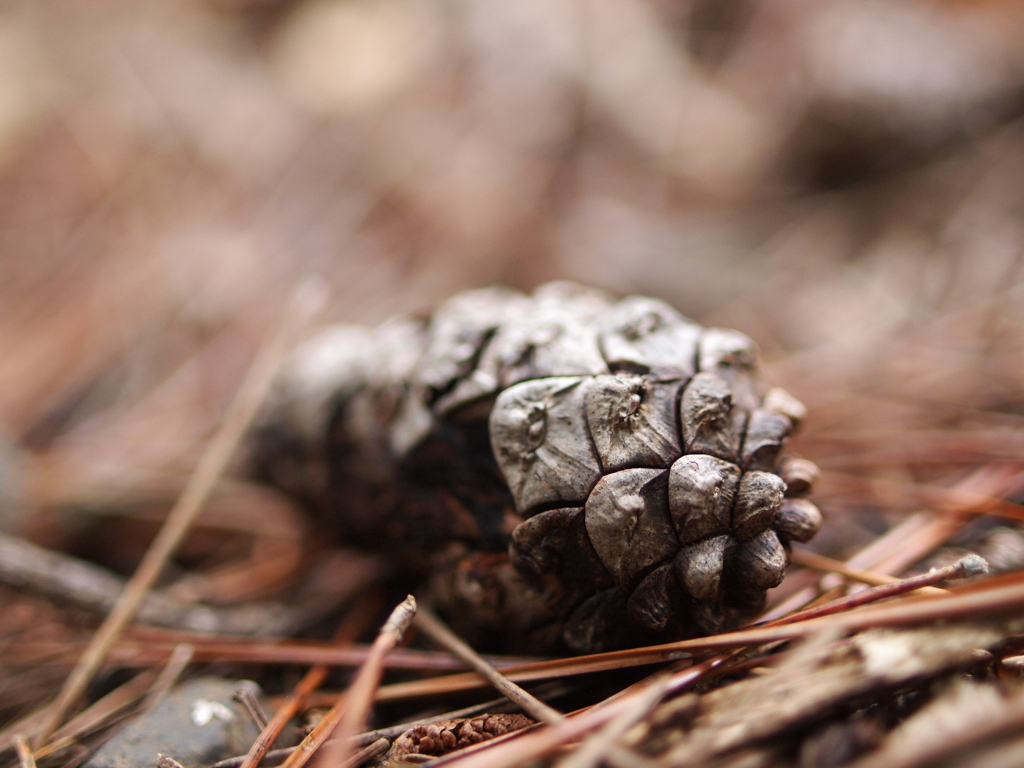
<point>844,182</point>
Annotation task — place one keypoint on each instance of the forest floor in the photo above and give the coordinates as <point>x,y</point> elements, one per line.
<point>842,182</point>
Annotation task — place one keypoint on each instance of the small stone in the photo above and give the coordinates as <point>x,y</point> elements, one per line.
<point>197,724</point>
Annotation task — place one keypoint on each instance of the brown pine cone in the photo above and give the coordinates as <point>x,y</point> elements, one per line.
<point>434,739</point>
<point>626,459</point>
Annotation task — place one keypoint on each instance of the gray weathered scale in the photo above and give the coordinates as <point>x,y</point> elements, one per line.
<point>573,470</point>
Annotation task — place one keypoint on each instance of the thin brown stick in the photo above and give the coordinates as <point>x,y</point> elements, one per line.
<point>829,565</point>
<point>99,714</point>
<point>361,693</point>
<point>364,686</point>
<point>118,701</point>
<point>534,744</point>
<point>994,597</point>
<point>539,742</point>
<point>313,679</point>
<point>953,499</point>
<point>606,740</point>
<point>908,542</point>
<point>245,696</point>
<point>180,659</point>
<point>320,733</point>
<point>25,756</point>
<point>436,629</point>
<point>271,757</point>
<point>142,652</point>
<point>365,753</point>
<point>991,482</point>
<point>965,567</point>
<point>794,597</point>
<point>529,703</point>
<point>212,463</point>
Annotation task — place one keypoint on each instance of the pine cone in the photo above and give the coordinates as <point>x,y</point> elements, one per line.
<point>434,739</point>
<point>626,459</point>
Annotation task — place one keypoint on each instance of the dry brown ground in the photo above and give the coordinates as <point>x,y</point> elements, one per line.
<point>842,181</point>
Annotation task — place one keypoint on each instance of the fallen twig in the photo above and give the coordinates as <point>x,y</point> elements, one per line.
<point>529,703</point>
<point>809,559</point>
<point>361,693</point>
<point>312,680</point>
<point>592,750</point>
<point>25,755</point>
<point>349,711</point>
